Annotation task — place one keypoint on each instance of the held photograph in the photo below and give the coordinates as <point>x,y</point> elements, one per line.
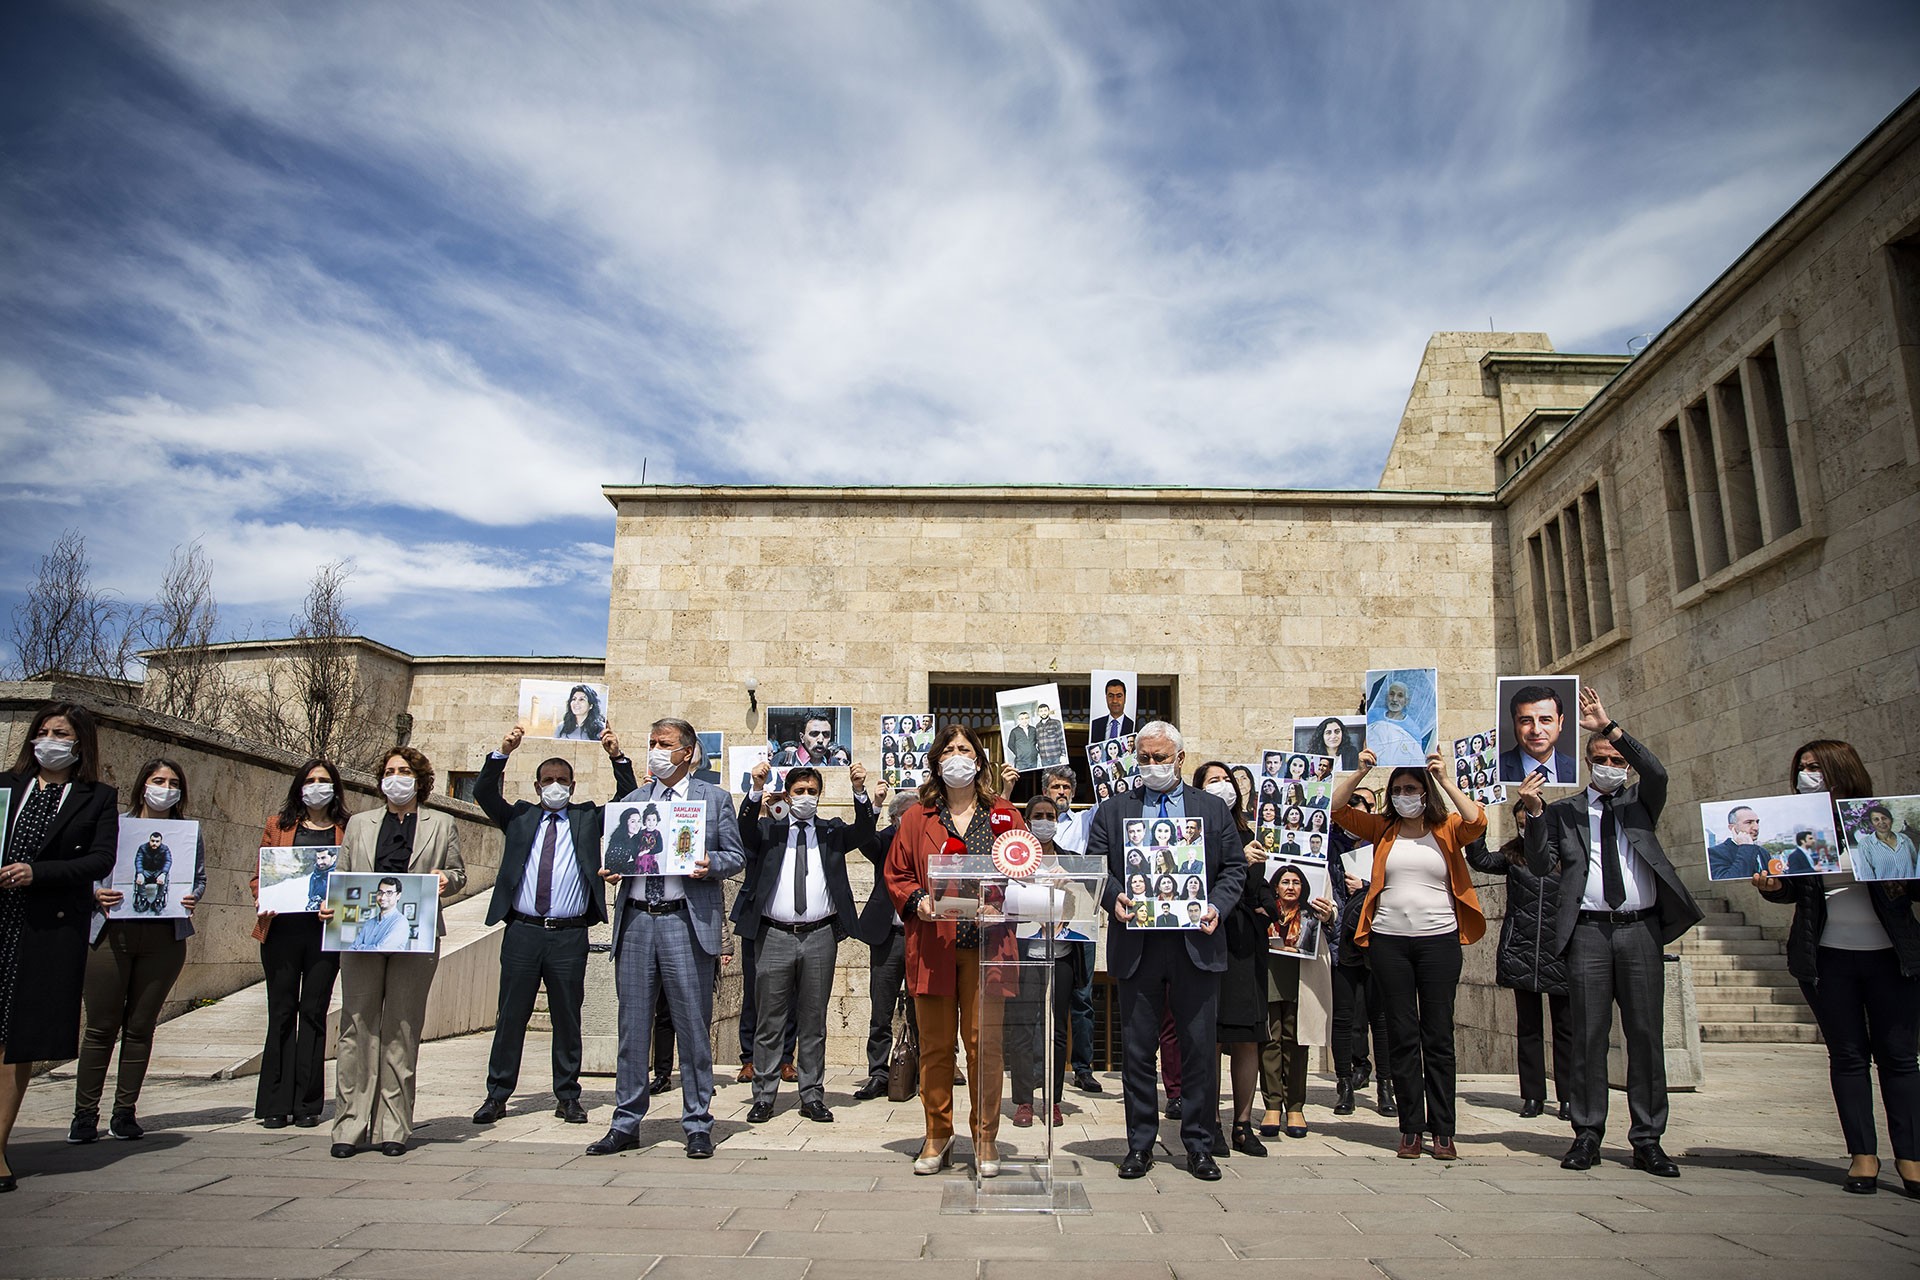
<point>378,911</point>
<point>1475,770</point>
<point>1113,697</point>
<point>1032,735</point>
<point>1296,883</point>
<point>1166,869</point>
<point>654,837</point>
<point>293,878</point>
<point>904,741</point>
<point>563,711</point>
<point>1342,737</point>
<point>1539,729</point>
<point>1113,767</point>
<point>819,736</point>
<point>1779,835</point>
<point>713,755</point>
<point>1403,715</point>
<point>1883,837</point>
<point>153,867</point>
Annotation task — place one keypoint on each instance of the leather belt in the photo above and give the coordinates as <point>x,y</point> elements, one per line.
<point>549,922</point>
<point>1618,917</point>
<point>666,908</point>
<point>798,929</point>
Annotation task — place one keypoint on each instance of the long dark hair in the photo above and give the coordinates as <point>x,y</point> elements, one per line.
<point>137,794</point>
<point>1845,773</point>
<point>596,722</point>
<point>293,810</point>
<point>85,737</point>
<point>1240,797</point>
<point>933,789</point>
<point>1436,810</point>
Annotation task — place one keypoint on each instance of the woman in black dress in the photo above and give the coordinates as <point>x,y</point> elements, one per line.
<point>1242,1020</point>
<point>63,826</point>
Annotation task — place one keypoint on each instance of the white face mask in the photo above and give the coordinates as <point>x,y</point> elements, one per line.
<point>397,789</point>
<point>555,795</point>
<point>55,753</point>
<point>160,799</point>
<point>660,762</point>
<point>1225,791</point>
<point>1608,778</point>
<point>803,807</point>
<point>958,771</point>
<point>1409,806</point>
<point>316,795</point>
<point>1164,776</point>
<point>1810,780</point>
<point>1044,829</point>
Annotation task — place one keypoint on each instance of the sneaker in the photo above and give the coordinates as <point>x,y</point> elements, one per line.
<point>85,1127</point>
<point>125,1127</point>
<point>1023,1116</point>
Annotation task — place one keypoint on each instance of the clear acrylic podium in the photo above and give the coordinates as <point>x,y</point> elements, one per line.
<point>1021,921</point>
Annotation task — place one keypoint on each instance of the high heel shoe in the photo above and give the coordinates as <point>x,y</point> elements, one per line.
<point>1270,1125</point>
<point>933,1161</point>
<point>986,1159</point>
<point>1862,1184</point>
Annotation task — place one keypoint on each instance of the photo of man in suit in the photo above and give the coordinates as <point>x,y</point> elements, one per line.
<point>1536,720</point>
<point>667,940</point>
<point>549,893</point>
<point>1741,855</point>
<point>1117,723</point>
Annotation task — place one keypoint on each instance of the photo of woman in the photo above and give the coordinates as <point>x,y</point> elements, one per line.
<point>584,721</point>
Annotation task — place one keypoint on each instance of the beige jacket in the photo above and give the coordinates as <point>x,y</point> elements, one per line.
<point>436,847</point>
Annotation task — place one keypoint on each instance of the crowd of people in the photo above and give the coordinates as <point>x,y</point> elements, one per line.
<point>1370,968</point>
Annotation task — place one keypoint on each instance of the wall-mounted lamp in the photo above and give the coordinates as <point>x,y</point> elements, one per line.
<point>753,694</point>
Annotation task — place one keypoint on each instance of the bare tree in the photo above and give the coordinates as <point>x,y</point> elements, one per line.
<point>311,699</point>
<point>184,678</point>
<point>66,626</point>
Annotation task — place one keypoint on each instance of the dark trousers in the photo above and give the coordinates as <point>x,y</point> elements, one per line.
<point>663,1032</point>
<point>300,976</point>
<point>1868,1011</point>
<point>1418,978</point>
<point>1609,964</point>
<point>529,956</point>
<point>1026,1036</point>
<point>1530,1010</point>
<point>1354,1015</point>
<point>1166,982</point>
<point>886,975</point>
<point>749,1014</point>
<point>1171,1071</point>
<point>127,980</point>
<point>1080,1014</point>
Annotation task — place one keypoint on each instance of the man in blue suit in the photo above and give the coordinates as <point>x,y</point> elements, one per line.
<point>667,938</point>
<point>1537,720</point>
<point>1177,967</point>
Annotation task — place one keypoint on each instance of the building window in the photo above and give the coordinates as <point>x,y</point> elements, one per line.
<point>1900,261</point>
<point>460,785</point>
<point>1734,464</point>
<point>1572,580</point>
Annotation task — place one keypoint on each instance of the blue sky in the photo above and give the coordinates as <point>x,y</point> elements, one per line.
<point>405,284</point>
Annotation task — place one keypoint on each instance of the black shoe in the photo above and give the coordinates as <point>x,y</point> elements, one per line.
<point>1343,1096</point>
<point>8,1183</point>
<point>570,1110</point>
<point>873,1088</point>
<point>85,1128</point>
<point>1531,1107</point>
<point>124,1127</point>
<point>1362,1075</point>
<point>491,1110</point>
<point>1174,1109</point>
<point>959,1077</point>
<point>271,1122</point>
<point>393,1148</point>
<point>1201,1166</point>
<point>816,1112</point>
<point>1862,1186</point>
<point>342,1151</point>
<point>1566,1112</point>
<point>306,1122</point>
<point>760,1113</point>
<point>1651,1159</point>
<point>1387,1107</point>
<point>1136,1164</point>
<point>660,1083</point>
<point>1911,1187</point>
<point>1581,1155</point>
<point>614,1141</point>
<point>699,1146</point>
<point>1246,1141</point>
<point>1086,1082</point>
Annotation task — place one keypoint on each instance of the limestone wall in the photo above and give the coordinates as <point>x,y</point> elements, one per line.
<point>1453,420</point>
<point>461,708</point>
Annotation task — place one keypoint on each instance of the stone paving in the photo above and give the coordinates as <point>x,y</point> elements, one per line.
<point>208,1193</point>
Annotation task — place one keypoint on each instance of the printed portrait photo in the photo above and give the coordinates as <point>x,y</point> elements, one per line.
<point>1341,737</point>
<point>153,867</point>
<point>712,758</point>
<point>1111,701</point>
<point>293,878</point>
<point>1539,729</point>
<point>1474,767</point>
<point>1296,883</point>
<point>1403,715</point>
<point>1173,872</point>
<point>817,736</point>
<point>566,711</point>
<point>1882,836</point>
<point>397,912</point>
<point>1779,835</point>
<point>1032,734</point>
<point>654,837</point>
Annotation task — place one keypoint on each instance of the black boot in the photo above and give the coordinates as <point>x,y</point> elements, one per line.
<point>1343,1097</point>
<point>1387,1108</point>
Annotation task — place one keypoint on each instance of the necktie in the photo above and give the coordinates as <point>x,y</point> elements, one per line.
<point>543,883</point>
<point>1613,883</point>
<point>656,888</point>
<point>1163,804</point>
<point>802,836</point>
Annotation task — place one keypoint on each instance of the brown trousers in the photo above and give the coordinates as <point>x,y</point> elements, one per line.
<point>940,1018</point>
<point>1283,1059</point>
<point>128,977</point>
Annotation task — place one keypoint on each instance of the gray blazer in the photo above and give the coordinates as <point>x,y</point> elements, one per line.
<point>725,858</point>
<point>436,847</point>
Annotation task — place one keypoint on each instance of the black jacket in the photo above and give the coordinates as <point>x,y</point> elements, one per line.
<point>52,955</point>
<point>521,820</point>
<point>1808,894</point>
<point>875,926</point>
<point>1524,962</point>
<point>765,840</point>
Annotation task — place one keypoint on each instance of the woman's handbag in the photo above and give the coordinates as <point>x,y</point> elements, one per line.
<point>903,1068</point>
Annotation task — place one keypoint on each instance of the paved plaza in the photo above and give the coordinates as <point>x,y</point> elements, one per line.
<point>208,1193</point>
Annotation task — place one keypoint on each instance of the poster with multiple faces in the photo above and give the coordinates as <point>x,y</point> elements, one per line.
<point>905,739</point>
<point>375,911</point>
<point>1403,715</point>
<point>1296,883</point>
<point>1474,769</point>
<point>562,710</point>
<point>1538,730</point>
<point>293,878</point>
<point>819,736</point>
<point>1779,835</point>
<point>1883,837</point>
<point>1113,703</point>
<point>1341,737</point>
<point>153,867</point>
<point>1166,871</point>
<point>1032,735</point>
<point>1113,766</point>
<point>1291,813</point>
<point>654,837</point>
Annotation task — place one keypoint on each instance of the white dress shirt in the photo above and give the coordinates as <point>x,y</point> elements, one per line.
<point>1071,834</point>
<point>671,887</point>
<point>566,897</point>
<point>1641,891</point>
<point>819,901</point>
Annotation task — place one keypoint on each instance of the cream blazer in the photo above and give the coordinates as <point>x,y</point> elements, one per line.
<point>436,847</point>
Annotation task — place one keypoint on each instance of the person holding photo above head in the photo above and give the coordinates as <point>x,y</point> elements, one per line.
<point>1854,947</point>
<point>299,974</point>
<point>549,893</point>
<point>1357,1008</point>
<point>584,721</point>
<point>133,965</point>
<point>666,943</point>
<point>1331,738</point>
<point>1523,964</point>
<point>64,836</point>
<point>1621,904</point>
<point>1538,719</point>
<point>1116,723</point>
<point>1419,911</point>
<point>800,909</point>
<point>1032,904</point>
<point>383,996</point>
<point>885,934</point>
<point>1240,1026</point>
<point>959,813</point>
<point>1176,971</point>
<point>1880,852</point>
<point>1741,853</point>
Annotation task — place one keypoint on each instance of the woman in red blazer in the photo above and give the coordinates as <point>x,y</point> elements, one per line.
<point>958,812</point>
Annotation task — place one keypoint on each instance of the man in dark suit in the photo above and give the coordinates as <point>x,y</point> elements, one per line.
<point>1117,724</point>
<point>549,892</point>
<point>881,928</point>
<point>1536,720</point>
<point>1621,903</point>
<point>801,906</point>
<point>1176,968</point>
<point>1740,855</point>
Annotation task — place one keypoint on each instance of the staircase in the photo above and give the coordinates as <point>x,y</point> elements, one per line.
<point>1740,981</point>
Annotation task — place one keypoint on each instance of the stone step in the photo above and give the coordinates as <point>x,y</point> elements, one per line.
<point>1759,1033</point>
<point>1707,979</point>
<point>1718,996</point>
<point>1756,1013</point>
<point>1706,962</point>
<point>1692,945</point>
<point>1715,929</point>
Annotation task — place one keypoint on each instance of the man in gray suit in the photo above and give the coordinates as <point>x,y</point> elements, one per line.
<point>666,938</point>
<point>1621,903</point>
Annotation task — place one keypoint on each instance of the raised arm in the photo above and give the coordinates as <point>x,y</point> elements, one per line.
<point>486,787</point>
